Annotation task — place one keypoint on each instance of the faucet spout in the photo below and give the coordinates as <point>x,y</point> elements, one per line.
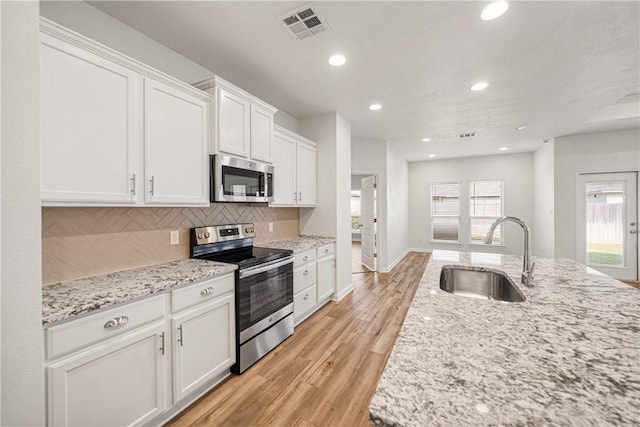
<point>527,265</point>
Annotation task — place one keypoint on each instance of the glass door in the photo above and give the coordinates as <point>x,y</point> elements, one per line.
<point>607,223</point>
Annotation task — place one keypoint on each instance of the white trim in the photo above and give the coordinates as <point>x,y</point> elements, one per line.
<point>218,82</point>
<point>425,250</point>
<point>344,293</point>
<point>397,260</point>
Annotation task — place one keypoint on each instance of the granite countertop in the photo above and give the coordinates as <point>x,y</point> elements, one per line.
<point>78,297</point>
<point>568,355</point>
<point>300,244</point>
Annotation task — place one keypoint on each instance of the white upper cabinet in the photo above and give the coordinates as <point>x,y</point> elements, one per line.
<point>113,129</point>
<point>242,125</point>
<point>89,110</point>
<point>294,160</point>
<point>233,123</point>
<point>175,146</point>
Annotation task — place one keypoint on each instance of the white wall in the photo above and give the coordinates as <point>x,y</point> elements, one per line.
<point>543,228</point>
<point>332,216</point>
<point>101,27</point>
<point>21,281</point>
<point>397,207</point>
<point>596,152</point>
<point>515,169</point>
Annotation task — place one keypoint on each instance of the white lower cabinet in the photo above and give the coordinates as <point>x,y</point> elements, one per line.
<point>117,367</point>
<point>313,281</point>
<point>118,383</point>
<point>204,344</point>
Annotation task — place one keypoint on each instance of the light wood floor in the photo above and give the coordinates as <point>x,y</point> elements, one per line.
<point>356,258</point>
<point>327,372</point>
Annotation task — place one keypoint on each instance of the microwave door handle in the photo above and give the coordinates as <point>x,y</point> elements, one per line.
<point>264,267</point>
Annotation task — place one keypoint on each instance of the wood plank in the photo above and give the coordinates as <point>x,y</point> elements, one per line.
<point>327,372</point>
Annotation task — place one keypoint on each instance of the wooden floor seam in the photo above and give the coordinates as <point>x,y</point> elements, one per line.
<point>326,373</point>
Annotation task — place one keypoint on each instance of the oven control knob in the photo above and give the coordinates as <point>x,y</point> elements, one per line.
<point>200,235</point>
<point>207,234</point>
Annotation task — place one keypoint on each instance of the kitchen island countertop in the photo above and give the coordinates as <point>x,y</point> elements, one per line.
<point>568,355</point>
<point>300,244</point>
<point>62,301</point>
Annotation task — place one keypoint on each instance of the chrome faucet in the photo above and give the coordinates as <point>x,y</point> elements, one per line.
<point>527,266</point>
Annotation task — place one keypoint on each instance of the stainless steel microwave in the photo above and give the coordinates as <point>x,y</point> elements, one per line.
<point>239,180</point>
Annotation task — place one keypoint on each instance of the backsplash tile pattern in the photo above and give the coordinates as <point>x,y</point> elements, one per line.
<point>83,242</point>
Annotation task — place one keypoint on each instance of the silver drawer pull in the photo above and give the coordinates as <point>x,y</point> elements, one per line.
<point>306,272</point>
<point>116,321</point>
<point>305,258</point>
<point>326,250</point>
<point>207,291</point>
<point>306,296</point>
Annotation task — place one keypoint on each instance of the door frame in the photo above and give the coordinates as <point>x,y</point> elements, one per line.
<point>376,212</point>
<point>580,255</point>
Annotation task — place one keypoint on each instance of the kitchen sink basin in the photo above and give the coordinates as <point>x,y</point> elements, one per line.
<point>477,282</point>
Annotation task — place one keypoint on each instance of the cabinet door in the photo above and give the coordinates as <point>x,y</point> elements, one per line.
<point>306,174</point>
<point>233,117</point>
<point>176,146</point>
<point>284,176</point>
<point>261,134</point>
<point>204,344</point>
<point>118,384</point>
<point>89,126</point>
<point>326,274</point>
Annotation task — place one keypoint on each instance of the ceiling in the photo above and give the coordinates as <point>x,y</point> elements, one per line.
<point>557,67</point>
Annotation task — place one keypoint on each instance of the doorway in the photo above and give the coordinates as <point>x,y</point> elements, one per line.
<point>364,223</point>
<point>607,216</point>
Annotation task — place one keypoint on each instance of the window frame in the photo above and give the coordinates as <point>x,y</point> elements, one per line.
<point>472,217</point>
<point>432,216</point>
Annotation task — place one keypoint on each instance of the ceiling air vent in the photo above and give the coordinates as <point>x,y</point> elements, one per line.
<point>467,135</point>
<point>304,22</point>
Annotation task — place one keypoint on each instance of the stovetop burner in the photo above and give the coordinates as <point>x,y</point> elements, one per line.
<point>232,244</point>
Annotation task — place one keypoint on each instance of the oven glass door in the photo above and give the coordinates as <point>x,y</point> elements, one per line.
<point>242,182</point>
<point>263,293</point>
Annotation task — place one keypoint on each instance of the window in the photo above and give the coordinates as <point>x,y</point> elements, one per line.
<point>485,206</point>
<point>355,210</point>
<point>445,212</point>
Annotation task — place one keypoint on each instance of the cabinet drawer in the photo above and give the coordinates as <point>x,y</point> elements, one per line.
<point>304,258</point>
<point>304,277</point>
<point>326,250</point>
<point>103,325</point>
<point>201,292</point>
<point>304,301</point>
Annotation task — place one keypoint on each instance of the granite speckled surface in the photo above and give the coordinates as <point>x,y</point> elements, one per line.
<point>78,297</point>
<point>300,244</point>
<point>568,355</point>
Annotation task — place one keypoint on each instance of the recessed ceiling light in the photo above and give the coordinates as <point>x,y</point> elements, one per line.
<point>426,139</point>
<point>337,60</point>
<point>479,86</point>
<point>432,155</point>
<point>375,107</point>
<point>494,10</point>
<point>521,128</point>
<point>504,148</point>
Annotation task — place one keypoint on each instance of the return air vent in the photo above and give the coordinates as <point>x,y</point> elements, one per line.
<point>304,22</point>
<point>467,135</point>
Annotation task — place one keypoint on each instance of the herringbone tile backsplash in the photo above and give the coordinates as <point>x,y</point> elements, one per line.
<point>83,242</point>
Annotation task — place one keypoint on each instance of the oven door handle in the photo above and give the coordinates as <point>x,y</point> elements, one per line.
<point>264,267</point>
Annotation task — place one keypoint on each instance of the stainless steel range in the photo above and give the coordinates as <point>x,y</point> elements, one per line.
<point>264,288</point>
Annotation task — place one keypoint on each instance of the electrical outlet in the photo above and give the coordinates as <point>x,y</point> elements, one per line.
<point>270,227</point>
<point>175,237</point>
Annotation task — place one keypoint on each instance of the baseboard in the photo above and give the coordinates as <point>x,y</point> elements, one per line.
<point>394,263</point>
<point>344,293</point>
<point>420,250</point>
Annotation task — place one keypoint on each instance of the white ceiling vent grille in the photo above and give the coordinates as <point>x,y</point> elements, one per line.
<point>304,22</point>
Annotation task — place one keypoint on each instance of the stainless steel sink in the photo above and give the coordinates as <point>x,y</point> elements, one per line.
<point>477,282</point>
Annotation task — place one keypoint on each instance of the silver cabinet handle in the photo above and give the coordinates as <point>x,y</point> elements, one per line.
<point>306,296</point>
<point>180,337</point>
<point>304,258</point>
<point>207,291</point>
<point>133,184</point>
<point>305,272</point>
<point>633,231</point>
<point>116,321</point>
<point>300,196</point>
<point>152,185</point>
<point>162,345</point>
<point>295,196</point>
<point>326,250</point>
